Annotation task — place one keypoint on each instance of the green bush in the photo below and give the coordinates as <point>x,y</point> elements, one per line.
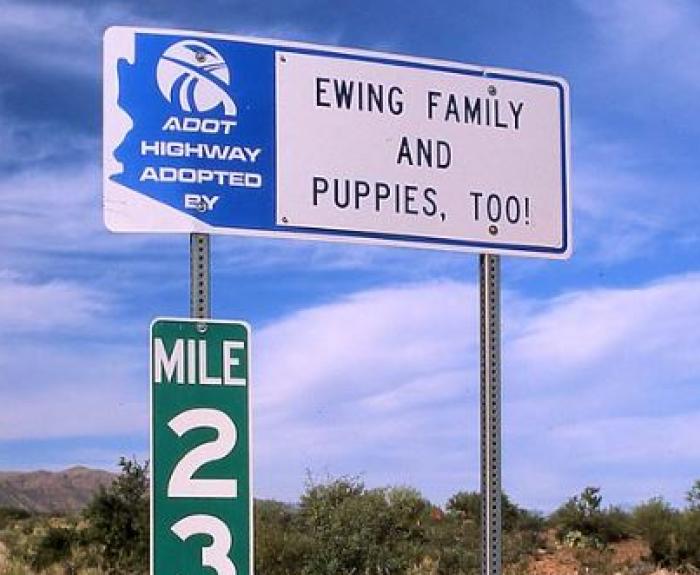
<point>119,522</point>
<point>58,545</point>
<point>467,504</point>
<point>688,537</point>
<point>582,521</point>
<point>343,528</point>
<point>355,530</point>
<point>281,544</point>
<point>673,536</point>
<point>10,515</point>
<point>656,521</point>
<point>462,554</point>
<point>453,545</point>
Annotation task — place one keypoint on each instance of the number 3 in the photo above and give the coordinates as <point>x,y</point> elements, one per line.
<point>181,483</point>
<point>216,554</point>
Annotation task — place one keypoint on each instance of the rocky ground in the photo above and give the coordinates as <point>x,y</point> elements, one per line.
<point>625,558</point>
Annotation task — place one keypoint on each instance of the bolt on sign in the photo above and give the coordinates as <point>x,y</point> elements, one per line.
<point>201,494</point>
<point>212,133</point>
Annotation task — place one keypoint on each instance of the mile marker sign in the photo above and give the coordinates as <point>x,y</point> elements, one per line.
<point>208,133</point>
<point>201,495</point>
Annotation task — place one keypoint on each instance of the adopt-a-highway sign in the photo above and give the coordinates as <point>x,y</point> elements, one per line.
<point>213,133</point>
<point>201,493</point>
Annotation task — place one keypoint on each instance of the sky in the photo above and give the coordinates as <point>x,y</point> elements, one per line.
<point>366,358</point>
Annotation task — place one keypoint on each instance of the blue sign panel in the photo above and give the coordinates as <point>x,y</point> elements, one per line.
<point>202,140</point>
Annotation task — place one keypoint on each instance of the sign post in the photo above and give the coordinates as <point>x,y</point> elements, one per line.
<point>201,498</point>
<point>200,276</point>
<point>490,321</point>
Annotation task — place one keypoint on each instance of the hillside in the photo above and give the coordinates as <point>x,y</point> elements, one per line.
<point>51,492</point>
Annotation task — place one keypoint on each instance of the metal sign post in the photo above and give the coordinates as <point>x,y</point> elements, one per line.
<point>490,304</point>
<point>199,276</point>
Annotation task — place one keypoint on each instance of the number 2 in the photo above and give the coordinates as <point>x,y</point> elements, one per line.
<point>181,482</point>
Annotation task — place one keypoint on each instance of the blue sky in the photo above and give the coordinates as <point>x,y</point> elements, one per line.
<point>366,358</point>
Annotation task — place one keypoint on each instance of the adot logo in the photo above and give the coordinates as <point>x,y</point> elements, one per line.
<point>194,76</point>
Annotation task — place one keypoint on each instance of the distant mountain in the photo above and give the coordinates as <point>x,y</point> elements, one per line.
<point>51,492</point>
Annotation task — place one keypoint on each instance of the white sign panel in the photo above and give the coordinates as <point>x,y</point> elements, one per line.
<point>419,152</point>
<point>221,134</point>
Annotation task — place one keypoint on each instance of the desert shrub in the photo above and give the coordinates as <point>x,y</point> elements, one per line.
<point>468,505</point>
<point>523,532</point>
<point>281,544</point>
<point>673,536</point>
<point>118,520</point>
<point>453,543</point>
<point>582,522</point>
<point>461,553</point>
<point>10,515</point>
<point>357,530</point>
<point>688,538</point>
<point>655,521</point>
<point>614,525</point>
<point>22,537</point>
<point>57,545</point>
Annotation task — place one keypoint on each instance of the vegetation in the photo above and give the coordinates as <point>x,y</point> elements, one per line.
<point>341,527</point>
<point>110,536</point>
<point>118,522</point>
<point>582,522</point>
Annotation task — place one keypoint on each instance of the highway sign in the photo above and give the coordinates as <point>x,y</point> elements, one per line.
<point>201,494</point>
<point>208,133</point>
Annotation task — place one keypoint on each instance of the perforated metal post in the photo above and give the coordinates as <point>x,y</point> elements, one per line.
<point>490,303</point>
<point>199,276</point>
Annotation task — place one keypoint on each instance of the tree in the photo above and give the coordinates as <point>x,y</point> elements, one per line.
<point>693,496</point>
<point>118,518</point>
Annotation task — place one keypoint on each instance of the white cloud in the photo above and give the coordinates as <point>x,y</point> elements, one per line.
<point>386,383</point>
<point>34,145</point>
<point>58,390</point>
<point>27,307</point>
<point>57,37</point>
<point>626,208</point>
<point>603,325</point>
<point>364,344</point>
<point>599,386</point>
<point>59,211</point>
<point>59,377</point>
<point>632,192</point>
<point>68,37</point>
<point>660,36</point>
<point>51,208</point>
